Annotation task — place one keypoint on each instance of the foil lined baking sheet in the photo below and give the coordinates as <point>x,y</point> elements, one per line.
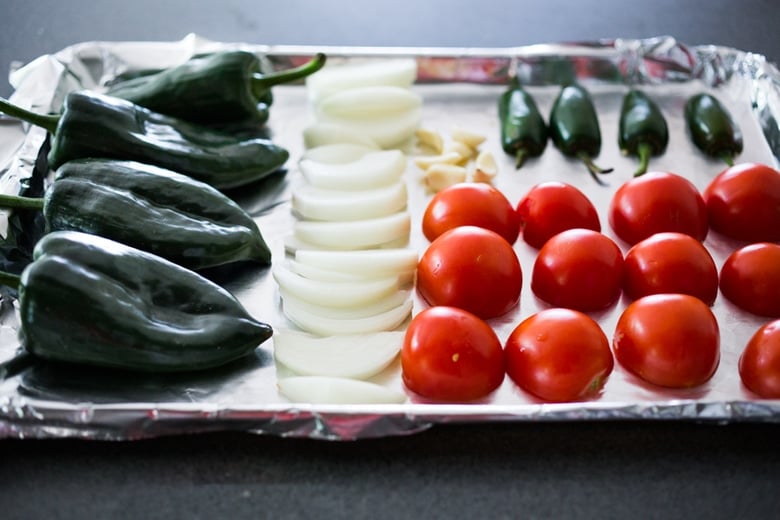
<point>460,87</point>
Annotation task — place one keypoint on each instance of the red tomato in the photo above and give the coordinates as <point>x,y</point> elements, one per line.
<point>578,269</point>
<point>743,202</point>
<point>657,202</point>
<point>559,355</point>
<point>449,354</point>
<point>670,263</point>
<point>669,340</point>
<point>750,279</point>
<point>551,207</point>
<point>471,204</point>
<point>759,364</point>
<point>473,269</point>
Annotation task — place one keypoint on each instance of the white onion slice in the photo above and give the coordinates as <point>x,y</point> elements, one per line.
<point>293,244</point>
<point>310,202</point>
<point>389,131</point>
<point>322,134</point>
<point>356,234</point>
<point>337,153</point>
<point>369,102</point>
<point>333,78</point>
<point>334,294</point>
<point>325,326</point>
<point>364,262</point>
<point>354,356</point>
<point>381,306</point>
<point>336,390</point>
<point>373,170</point>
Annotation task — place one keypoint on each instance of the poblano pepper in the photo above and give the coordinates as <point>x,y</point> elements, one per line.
<point>89,300</point>
<point>642,129</point>
<point>213,89</point>
<point>574,127</point>
<point>166,213</point>
<point>98,126</point>
<point>523,129</point>
<point>712,129</point>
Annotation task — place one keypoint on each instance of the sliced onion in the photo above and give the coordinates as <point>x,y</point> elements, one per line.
<point>381,306</point>
<point>333,78</point>
<point>365,262</point>
<point>334,294</point>
<point>315,203</point>
<point>338,153</point>
<point>369,102</point>
<point>356,234</point>
<point>390,131</point>
<point>322,134</point>
<point>325,326</point>
<point>354,356</point>
<point>336,390</point>
<point>293,244</point>
<point>373,170</point>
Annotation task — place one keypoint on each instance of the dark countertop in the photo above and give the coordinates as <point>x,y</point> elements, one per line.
<point>527,470</point>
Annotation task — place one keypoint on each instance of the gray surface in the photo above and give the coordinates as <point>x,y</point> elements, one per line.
<point>620,470</point>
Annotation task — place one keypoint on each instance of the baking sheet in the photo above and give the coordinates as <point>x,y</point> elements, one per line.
<point>459,88</point>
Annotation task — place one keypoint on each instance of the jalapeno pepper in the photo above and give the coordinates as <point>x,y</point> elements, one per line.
<point>642,131</point>
<point>162,212</point>
<point>98,126</point>
<point>712,129</point>
<point>89,300</point>
<point>212,89</point>
<point>523,129</point>
<point>574,127</point>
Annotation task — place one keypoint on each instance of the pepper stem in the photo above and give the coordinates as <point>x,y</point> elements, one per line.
<point>520,158</point>
<point>10,279</point>
<point>728,158</point>
<point>48,122</point>
<point>11,201</point>
<point>262,82</point>
<point>592,168</point>
<point>644,151</point>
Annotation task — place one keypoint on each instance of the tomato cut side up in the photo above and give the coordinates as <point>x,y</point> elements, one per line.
<point>473,269</point>
<point>657,202</point>
<point>578,269</point>
<point>471,204</point>
<point>750,278</point>
<point>552,207</point>
<point>670,263</point>
<point>743,202</point>
<point>670,340</point>
<point>559,355</point>
<point>449,354</point>
<point>759,364</point>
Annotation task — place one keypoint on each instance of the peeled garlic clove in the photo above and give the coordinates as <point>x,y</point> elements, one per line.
<point>485,168</point>
<point>448,158</point>
<point>430,139</point>
<point>464,151</point>
<point>470,139</point>
<point>336,390</point>
<point>441,176</point>
<point>369,102</point>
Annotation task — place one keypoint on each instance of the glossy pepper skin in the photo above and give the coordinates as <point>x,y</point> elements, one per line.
<point>212,89</point>
<point>574,127</point>
<point>642,129</point>
<point>89,300</point>
<point>94,125</point>
<point>523,129</point>
<point>162,212</point>
<point>712,129</point>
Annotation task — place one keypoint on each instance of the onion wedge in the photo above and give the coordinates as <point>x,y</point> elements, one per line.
<point>381,306</point>
<point>334,294</point>
<point>322,134</point>
<point>370,262</point>
<point>356,234</point>
<point>310,202</point>
<point>373,170</point>
<point>333,78</point>
<point>354,356</point>
<point>336,390</point>
<point>388,131</point>
<point>369,102</point>
<point>324,326</point>
<point>337,153</point>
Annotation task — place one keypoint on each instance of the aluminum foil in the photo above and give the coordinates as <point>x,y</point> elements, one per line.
<point>460,87</point>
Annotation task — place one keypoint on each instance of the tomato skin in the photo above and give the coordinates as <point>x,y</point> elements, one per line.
<point>470,204</point>
<point>743,202</point>
<point>451,355</point>
<point>657,202</point>
<point>670,263</point>
<point>578,269</point>
<point>669,340</point>
<point>473,269</point>
<point>551,207</point>
<point>559,355</point>
<point>750,279</point>
<point>759,364</point>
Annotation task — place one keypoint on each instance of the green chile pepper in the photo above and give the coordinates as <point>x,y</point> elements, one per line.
<point>94,125</point>
<point>89,300</point>
<point>212,89</point>
<point>712,129</point>
<point>523,129</point>
<point>162,212</point>
<point>574,127</point>
<point>642,131</point>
